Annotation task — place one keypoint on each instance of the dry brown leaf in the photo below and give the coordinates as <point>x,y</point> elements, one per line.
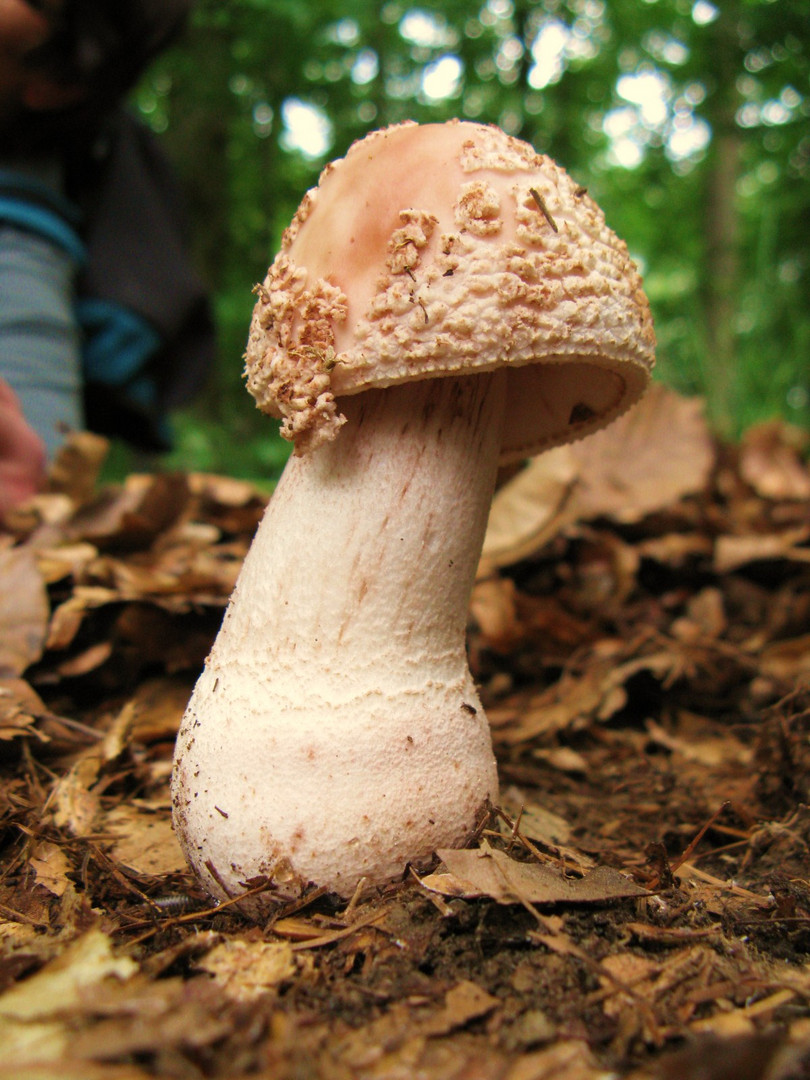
<point>145,842</point>
<point>68,616</point>
<point>561,706</point>
<point>463,1002</point>
<point>541,827</point>
<point>491,873</point>
<point>72,1070</point>
<point>492,605</point>
<point>20,709</point>
<point>788,660</point>
<point>143,1017</point>
<point>16,935</point>
<point>158,706</point>
<point>578,698</point>
<point>75,469</point>
<point>771,461</point>
<point>566,1060</point>
<point>75,804</point>
<point>246,970</point>
<point>651,996</point>
<point>563,758</point>
<point>223,491</point>
<point>649,459</point>
<point>32,1030</point>
<point>66,561</point>
<point>50,866</point>
<point>84,662</point>
<point>132,516</point>
<point>712,751</point>
<point>733,552</point>
<point>742,1021</point>
<point>676,549</point>
<point>24,610</point>
<point>531,508</point>
<point>630,970</point>
<point>538,822</point>
<point>705,616</point>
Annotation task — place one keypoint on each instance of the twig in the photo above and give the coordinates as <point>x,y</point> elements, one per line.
<point>541,205</point>
<point>699,836</point>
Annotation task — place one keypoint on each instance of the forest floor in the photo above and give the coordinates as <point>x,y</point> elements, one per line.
<point>638,905</point>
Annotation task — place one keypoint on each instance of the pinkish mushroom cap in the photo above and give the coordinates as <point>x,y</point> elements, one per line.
<point>446,249</point>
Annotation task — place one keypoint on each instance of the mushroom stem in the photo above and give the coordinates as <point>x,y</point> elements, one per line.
<point>336,732</point>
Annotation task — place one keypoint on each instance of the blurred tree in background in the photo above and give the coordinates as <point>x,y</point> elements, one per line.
<point>688,120</point>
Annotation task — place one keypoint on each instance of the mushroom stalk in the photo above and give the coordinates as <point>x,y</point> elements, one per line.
<point>336,733</point>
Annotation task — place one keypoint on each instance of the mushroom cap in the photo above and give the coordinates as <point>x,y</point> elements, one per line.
<point>444,249</point>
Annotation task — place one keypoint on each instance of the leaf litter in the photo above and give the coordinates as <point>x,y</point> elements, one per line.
<point>637,905</point>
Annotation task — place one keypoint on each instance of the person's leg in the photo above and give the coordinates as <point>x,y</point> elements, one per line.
<point>39,338</point>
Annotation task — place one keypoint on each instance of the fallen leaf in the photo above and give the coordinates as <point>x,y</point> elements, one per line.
<point>655,455</point>
<point>733,552</point>
<point>531,508</point>
<point>566,1060</point>
<point>491,873</point>
<point>31,1028</point>
<point>51,866</point>
<point>67,560</point>
<point>162,1018</point>
<point>75,804</point>
<point>246,970</point>
<point>73,1070</point>
<point>659,452</point>
<point>537,822</point>
<point>158,707</point>
<point>771,461</point>
<point>789,660</point>
<point>563,758</point>
<point>145,842</point>
<point>86,962</point>
<point>710,751</point>
<point>75,469</point>
<point>20,709</point>
<point>493,607</point>
<point>24,610</point>
<point>464,1002</point>
<point>86,661</point>
<point>132,516</point>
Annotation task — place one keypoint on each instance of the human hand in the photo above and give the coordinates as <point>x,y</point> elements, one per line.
<point>22,453</point>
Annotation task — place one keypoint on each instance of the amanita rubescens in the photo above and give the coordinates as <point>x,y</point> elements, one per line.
<point>446,299</point>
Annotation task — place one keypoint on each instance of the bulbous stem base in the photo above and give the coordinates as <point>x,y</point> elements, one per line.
<point>336,733</point>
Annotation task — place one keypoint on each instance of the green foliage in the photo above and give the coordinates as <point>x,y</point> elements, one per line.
<point>688,121</point>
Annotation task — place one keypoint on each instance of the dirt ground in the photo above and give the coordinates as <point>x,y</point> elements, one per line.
<point>637,905</point>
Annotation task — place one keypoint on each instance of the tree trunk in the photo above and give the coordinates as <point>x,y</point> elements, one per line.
<point>721,270</point>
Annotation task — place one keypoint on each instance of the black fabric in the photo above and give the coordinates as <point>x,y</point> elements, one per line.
<point>138,259</point>
<point>126,212</point>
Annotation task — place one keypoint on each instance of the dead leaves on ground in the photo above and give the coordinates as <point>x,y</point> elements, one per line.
<point>136,576</point>
<point>638,905</point>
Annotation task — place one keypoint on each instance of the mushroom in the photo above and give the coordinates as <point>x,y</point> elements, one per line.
<point>446,299</point>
